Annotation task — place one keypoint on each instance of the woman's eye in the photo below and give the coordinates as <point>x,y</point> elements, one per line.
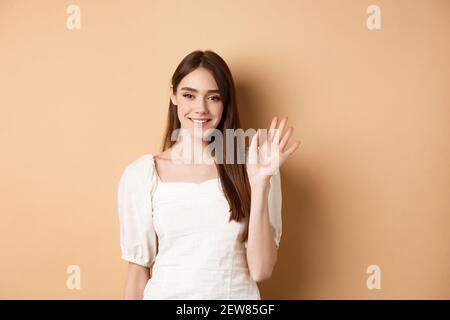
<point>215,98</point>
<point>188,95</point>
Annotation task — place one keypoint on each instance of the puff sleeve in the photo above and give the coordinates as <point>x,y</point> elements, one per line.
<point>138,240</point>
<point>274,207</point>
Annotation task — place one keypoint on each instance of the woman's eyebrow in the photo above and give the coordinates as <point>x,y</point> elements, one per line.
<point>195,90</point>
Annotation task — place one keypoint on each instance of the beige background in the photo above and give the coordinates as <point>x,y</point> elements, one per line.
<point>369,185</point>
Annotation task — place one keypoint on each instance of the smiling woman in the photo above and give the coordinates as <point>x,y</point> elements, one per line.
<point>209,230</point>
<point>189,98</point>
<point>196,98</point>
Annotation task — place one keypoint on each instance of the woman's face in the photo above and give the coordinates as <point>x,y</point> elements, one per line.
<point>198,101</point>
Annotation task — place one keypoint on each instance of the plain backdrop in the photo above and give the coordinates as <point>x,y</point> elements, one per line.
<point>368,186</point>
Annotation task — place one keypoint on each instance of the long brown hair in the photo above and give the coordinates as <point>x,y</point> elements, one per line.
<point>233,176</point>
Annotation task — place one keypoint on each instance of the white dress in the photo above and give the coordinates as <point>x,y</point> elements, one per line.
<point>181,230</point>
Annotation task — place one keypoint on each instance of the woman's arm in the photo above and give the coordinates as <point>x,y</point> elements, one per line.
<point>137,278</point>
<point>266,155</point>
<point>262,251</point>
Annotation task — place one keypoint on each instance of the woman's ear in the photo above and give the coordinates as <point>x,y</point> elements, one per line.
<point>173,98</point>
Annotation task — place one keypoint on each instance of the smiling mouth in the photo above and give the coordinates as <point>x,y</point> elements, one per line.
<point>199,121</point>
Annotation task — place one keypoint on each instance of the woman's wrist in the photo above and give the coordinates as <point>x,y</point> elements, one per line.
<point>260,186</point>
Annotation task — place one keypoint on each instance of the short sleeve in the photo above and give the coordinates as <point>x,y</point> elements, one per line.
<point>274,207</point>
<point>138,240</point>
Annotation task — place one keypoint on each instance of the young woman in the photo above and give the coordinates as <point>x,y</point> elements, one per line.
<point>203,229</point>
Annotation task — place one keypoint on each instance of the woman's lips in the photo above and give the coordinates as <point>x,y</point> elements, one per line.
<point>199,122</point>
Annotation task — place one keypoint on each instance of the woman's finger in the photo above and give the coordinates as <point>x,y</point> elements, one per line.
<point>279,132</point>
<point>285,138</point>
<point>272,127</point>
<point>292,149</point>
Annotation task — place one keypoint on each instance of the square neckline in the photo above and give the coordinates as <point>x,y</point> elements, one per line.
<point>178,182</point>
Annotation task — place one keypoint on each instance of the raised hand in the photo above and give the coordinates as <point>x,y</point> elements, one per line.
<point>268,152</point>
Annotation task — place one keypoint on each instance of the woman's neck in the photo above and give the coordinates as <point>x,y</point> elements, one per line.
<point>192,152</point>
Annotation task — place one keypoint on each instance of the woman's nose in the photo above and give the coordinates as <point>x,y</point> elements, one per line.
<point>201,106</point>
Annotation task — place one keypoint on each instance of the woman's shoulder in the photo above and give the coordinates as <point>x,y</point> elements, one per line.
<point>141,167</point>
